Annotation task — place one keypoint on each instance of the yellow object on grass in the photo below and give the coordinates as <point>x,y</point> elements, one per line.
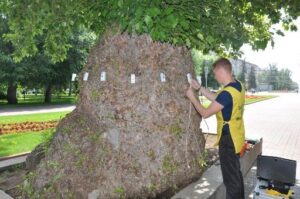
<point>276,193</point>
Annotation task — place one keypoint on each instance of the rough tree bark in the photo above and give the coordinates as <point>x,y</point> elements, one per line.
<point>12,93</point>
<point>126,140</point>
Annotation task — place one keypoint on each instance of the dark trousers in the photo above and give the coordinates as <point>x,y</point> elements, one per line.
<point>231,169</point>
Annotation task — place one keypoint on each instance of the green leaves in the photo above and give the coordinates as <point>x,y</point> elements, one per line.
<point>139,27</point>
<point>153,12</point>
<point>158,34</point>
<point>184,24</point>
<point>171,21</point>
<point>200,36</point>
<point>29,48</point>
<point>279,79</point>
<point>205,25</point>
<point>148,21</point>
<point>279,32</point>
<point>120,3</point>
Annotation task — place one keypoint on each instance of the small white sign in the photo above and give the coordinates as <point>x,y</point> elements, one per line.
<point>103,76</point>
<point>189,77</point>
<point>132,78</point>
<point>162,77</point>
<point>85,76</point>
<point>199,79</point>
<point>73,77</point>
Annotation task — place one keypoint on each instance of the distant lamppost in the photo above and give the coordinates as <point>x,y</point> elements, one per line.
<point>206,72</point>
<point>73,79</point>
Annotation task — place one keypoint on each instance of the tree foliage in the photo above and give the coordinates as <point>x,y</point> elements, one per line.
<point>8,69</point>
<point>252,79</point>
<point>42,72</point>
<point>278,79</point>
<point>10,72</point>
<point>39,71</point>
<point>220,26</point>
<point>200,62</point>
<point>241,76</point>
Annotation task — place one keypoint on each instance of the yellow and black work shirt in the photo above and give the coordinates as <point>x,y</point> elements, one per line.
<point>230,118</point>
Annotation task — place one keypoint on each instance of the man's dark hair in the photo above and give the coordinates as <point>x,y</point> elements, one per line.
<point>224,63</point>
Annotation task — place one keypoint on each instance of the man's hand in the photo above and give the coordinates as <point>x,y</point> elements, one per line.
<point>195,84</point>
<point>190,93</point>
<point>213,108</point>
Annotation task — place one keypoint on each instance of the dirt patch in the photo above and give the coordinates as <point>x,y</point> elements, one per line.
<point>211,149</point>
<point>11,178</point>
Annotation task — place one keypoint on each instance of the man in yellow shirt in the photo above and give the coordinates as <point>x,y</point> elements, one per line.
<point>228,105</point>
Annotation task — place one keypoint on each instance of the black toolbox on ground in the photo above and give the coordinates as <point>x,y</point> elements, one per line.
<point>275,178</point>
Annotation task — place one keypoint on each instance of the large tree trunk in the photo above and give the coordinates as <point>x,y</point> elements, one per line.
<point>126,140</point>
<point>48,93</point>
<point>12,93</point>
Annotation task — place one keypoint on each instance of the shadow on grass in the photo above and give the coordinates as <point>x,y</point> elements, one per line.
<point>32,100</point>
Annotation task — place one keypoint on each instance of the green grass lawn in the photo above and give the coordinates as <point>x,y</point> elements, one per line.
<point>15,143</point>
<point>11,144</point>
<point>38,117</point>
<point>35,100</point>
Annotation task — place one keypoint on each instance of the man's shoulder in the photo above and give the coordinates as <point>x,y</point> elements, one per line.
<point>235,85</point>
<point>224,95</point>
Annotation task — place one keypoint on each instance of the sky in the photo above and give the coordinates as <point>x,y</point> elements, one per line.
<point>285,53</point>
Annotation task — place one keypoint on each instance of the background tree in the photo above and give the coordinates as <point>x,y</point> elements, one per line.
<point>295,86</point>
<point>272,76</point>
<point>3,92</point>
<point>10,72</point>
<point>39,71</point>
<point>42,72</point>
<point>278,79</point>
<point>242,75</point>
<point>200,62</point>
<point>285,81</point>
<point>252,79</point>
<point>262,77</point>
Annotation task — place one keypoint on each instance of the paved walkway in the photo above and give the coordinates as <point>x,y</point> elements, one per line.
<point>35,109</point>
<point>12,161</point>
<point>277,121</point>
<point>3,195</point>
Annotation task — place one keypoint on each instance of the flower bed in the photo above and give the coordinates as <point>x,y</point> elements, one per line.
<point>26,126</point>
<point>254,97</point>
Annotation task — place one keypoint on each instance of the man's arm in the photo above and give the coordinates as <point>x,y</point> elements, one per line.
<point>204,112</point>
<point>209,95</point>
